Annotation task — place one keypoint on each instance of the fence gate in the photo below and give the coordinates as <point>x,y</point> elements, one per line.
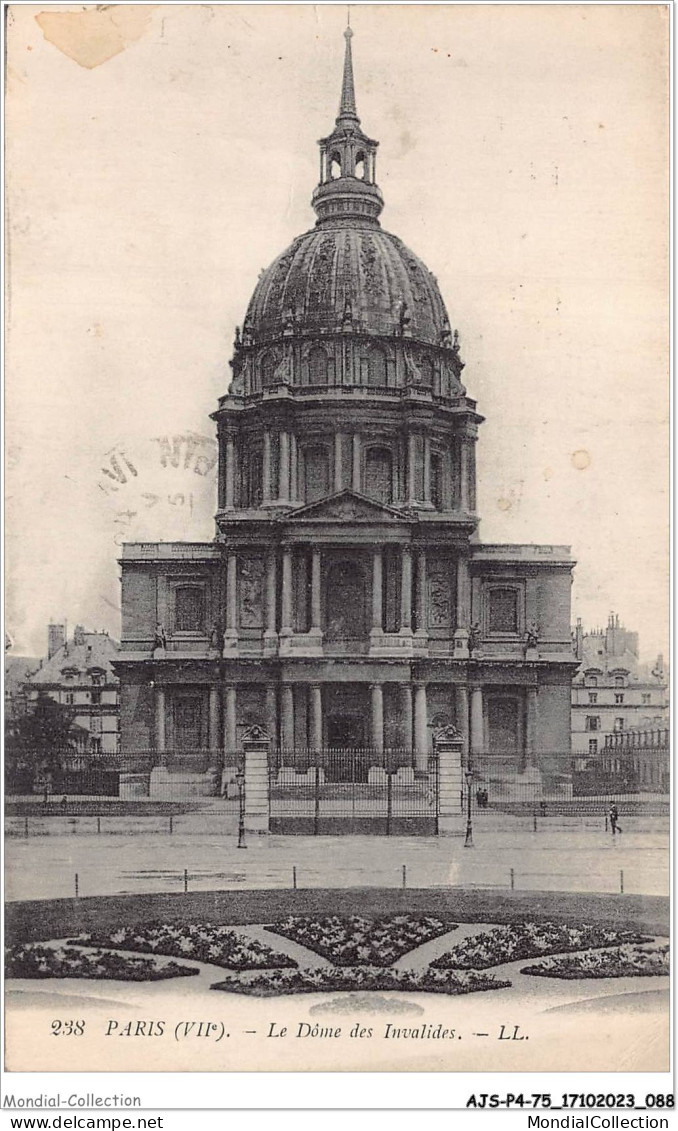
<point>353,791</point>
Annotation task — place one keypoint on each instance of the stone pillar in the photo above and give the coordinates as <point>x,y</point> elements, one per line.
<point>355,468</point>
<point>160,731</point>
<point>463,617</point>
<point>531,709</point>
<point>338,456</point>
<point>477,721</point>
<point>257,805</point>
<point>316,609</point>
<point>230,473</point>
<point>294,468</point>
<point>271,711</point>
<point>231,596</point>
<point>266,468</point>
<point>411,467</point>
<point>284,467</point>
<point>214,736</point>
<point>450,783</point>
<point>406,590</point>
<point>464,475</point>
<point>406,714</point>
<point>377,728</point>
<point>316,720</point>
<point>462,720</point>
<point>427,469</point>
<point>287,626</point>
<point>420,728</point>
<point>271,587</point>
<point>287,717</point>
<point>421,593</point>
<point>230,723</point>
<point>377,593</point>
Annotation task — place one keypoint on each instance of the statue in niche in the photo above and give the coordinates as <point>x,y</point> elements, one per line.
<point>402,318</point>
<point>251,592</point>
<point>532,636</point>
<point>412,370</point>
<point>283,371</point>
<point>160,638</point>
<point>217,636</point>
<point>440,597</point>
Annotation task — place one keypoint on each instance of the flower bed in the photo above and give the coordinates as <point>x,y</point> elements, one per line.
<point>354,941</point>
<point>31,961</point>
<point>529,940</point>
<point>204,942</point>
<point>270,983</point>
<point>618,962</point>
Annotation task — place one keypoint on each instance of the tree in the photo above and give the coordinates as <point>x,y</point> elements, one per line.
<point>35,744</point>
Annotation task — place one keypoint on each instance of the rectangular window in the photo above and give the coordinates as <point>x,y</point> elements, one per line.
<point>189,615</point>
<point>593,722</point>
<point>593,745</point>
<point>619,697</point>
<point>188,721</point>
<point>593,696</point>
<point>69,697</point>
<point>647,699</point>
<point>619,724</point>
<point>503,610</point>
<point>96,698</point>
<point>95,724</point>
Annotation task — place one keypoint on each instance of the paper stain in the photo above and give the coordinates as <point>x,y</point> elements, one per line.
<point>95,35</point>
<point>504,504</point>
<point>580,459</point>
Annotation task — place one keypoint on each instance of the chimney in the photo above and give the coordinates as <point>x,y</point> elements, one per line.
<point>78,635</point>
<point>56,638</point>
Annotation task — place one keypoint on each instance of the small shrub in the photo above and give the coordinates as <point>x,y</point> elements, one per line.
<point>31,961</point>
<point>529,940</point>
<point>270,983</point>
<point>618,962</point>
<point>354,941</point>
<point>203,942</point>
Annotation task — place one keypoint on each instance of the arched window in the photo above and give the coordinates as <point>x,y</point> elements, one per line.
<point>376,371</point>
<point>335,166</point>
<point>426,371</point>
<point>503,610</point>
<point>379,474</point>
<point>317,366</point>
<point>361,166</point>
<point>268,367</point>
<point>316,473</point>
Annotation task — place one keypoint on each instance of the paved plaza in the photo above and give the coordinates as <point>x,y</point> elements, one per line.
<point>572,855</point>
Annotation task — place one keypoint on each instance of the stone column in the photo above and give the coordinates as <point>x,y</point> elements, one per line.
<point>377,593</point>
<point>406,714</point>
<point>411,467</point>
<point>462,720</point>
<point>316,608</point>
<point>231,596</point>
<point>230,723</point>
<point>287,717</point>
<point>531,709</point>
<point>294,468</point>
<point>377,700</point>
<point>464,475</point>
<point>355,468</point>
<point>316,736</point>
<point>230,473</point>
<point>463,614</point>
<point>271,712</point>
<point>420,728</point>
<point>450,785</point>
<point>257,804</point>
<point>160,731</point>
<point>266,468</point>
<point>271,587</point>
<point>477,721</point>
<point>287,626</point>
<point>427,469</point>
<point>284,467</point>
<point>422,603</point>
<point>338,456</point>
<point>406,590</point>
<point>214,737</point>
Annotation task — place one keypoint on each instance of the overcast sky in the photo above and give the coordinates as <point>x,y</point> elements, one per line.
<point>523,158</point>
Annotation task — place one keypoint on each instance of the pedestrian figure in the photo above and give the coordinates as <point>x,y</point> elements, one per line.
<point>614,818</point>
<point>64,801</point>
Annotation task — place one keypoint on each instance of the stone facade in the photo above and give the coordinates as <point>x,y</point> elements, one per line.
<point>345,601</point>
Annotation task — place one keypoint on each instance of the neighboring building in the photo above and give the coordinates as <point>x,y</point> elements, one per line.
<point>345,602</point>
<point>612,691</point>
<point>17,671</point>
<point>78,674</point>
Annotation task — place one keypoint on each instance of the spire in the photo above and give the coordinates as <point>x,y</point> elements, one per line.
<point>347,107</point>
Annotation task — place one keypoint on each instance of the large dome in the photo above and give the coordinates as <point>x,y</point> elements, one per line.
<point>348,268</point>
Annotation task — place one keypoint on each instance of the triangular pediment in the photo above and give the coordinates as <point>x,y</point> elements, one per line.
<point>347,506</point>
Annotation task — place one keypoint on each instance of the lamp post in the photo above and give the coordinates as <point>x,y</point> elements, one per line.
<point>240,781</point>
<point>468,842</point>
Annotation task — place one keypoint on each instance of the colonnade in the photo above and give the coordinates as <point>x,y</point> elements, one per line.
<point>285,487</point>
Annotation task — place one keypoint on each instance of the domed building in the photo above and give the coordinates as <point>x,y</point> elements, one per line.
<point>346,607</point>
